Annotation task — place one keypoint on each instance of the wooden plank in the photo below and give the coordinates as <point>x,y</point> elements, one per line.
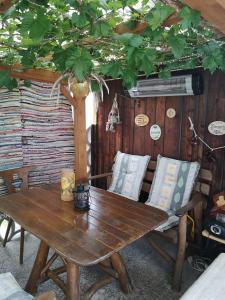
<point>186,142</point>
<point>172,134</point>
<point>150,107</point>
<point>138,145</point>
<point>128,124</point>
<point>160,120</point>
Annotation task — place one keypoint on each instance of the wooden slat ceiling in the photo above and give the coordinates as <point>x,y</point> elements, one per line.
<point>211,10</point>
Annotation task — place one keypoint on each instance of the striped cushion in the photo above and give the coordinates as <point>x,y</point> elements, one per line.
<point>128,174</point>
<point>172,184</point>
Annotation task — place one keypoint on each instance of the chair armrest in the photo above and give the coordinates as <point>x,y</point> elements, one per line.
<point>196,199</point>
<point>46,296</point>
<point>100,176</point>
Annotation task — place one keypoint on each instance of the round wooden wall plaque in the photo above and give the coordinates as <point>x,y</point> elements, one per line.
<point>171,113</point>
<point>217,128</point>
<point>141,120</point>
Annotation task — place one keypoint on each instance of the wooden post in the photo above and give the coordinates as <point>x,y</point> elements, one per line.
<point>73,281</point>
<point>180,252</point>
<point>80,140</point>
<point>39,264</point>
<point>119,267</point>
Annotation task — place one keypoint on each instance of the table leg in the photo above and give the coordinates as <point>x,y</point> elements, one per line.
<point>73,281</point>
<point>39,264</point>
<point>119,267</point>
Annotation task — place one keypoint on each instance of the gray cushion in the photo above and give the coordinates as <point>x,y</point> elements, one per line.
<point>128,173</point>
<point>10,289</point>
<point>172,186</point>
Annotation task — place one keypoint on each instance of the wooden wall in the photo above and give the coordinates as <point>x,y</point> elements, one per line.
<point>176,139</point>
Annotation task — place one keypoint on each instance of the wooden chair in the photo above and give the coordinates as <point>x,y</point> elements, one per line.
<point>8,177</point>
<point>177,234</point>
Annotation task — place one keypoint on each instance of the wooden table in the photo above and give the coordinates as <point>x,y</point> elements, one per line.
<point>80,239</point>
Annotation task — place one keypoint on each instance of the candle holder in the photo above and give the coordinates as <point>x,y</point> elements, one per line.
<point>81,197</point>
<point>67,184</point>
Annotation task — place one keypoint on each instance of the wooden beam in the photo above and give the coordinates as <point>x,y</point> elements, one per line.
<point>32,74</point>
<point>141,26</point>
<point>211,10</point>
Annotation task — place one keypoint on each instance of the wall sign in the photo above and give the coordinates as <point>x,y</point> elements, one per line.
<point>171,113</point>
<point>155,132</point>
<point>217,128</point>
<point>141,120</point>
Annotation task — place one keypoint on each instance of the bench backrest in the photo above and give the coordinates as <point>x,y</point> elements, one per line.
<point>202,185</point>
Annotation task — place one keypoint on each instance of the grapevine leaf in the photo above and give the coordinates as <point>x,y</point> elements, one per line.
<point>7,81</point>
<point>39,27</point>
<point>80,63</point>
<point>159,14</point>
<point>177,44</point>
<point>190,18</point>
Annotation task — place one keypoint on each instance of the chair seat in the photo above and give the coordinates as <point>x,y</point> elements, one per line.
<point>10,289</point>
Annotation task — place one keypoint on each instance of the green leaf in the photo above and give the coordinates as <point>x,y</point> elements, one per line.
<point>79,20</point>
<point>27,83</point>
<point>111,69</point>
<point>213,56</point>
<point>136,41</point>
<point>39,27</point>
<point>177,44</point>
<point>7,81</point>
<point>147,64</point>
<point>27,21</point>
<point>129,78</point>
<point>79,62</point>
<point>190,18</point>
<point>101,29</point>
<point>159,14</point>
<point>28,59</point>
<point>94,86</point>
<point>164,73</point>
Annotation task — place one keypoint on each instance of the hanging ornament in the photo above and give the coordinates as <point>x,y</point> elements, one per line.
<point>114,116</point>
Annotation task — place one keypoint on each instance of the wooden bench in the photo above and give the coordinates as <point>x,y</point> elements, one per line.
<point>178,234</point>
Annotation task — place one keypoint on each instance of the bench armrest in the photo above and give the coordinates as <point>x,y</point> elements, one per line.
<point>100,176</point>
<point>196,199</point>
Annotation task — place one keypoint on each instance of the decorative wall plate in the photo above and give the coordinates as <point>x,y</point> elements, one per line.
<point>217,128</point>
<point>141,120</point>
<point>155,132</point>
<point>171,113</point>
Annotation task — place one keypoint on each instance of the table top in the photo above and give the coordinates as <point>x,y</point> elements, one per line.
<point>84,238</point>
